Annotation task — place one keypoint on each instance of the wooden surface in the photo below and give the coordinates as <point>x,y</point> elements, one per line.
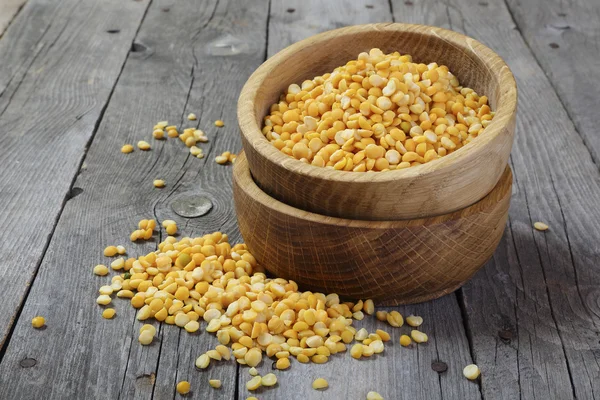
<point>391,262</point>
<point>417,192</point>
<point>50,105</point>
<point>530,318</point>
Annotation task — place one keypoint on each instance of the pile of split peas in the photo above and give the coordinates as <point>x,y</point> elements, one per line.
<point>190,280</point>
<point>379,112</point>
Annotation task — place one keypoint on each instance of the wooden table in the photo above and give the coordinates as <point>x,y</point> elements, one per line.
<point>79,78</point>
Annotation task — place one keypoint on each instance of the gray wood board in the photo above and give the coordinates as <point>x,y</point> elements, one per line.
<point>172,71</point>
<point>8,10</point>
<point>541,288</point>
<point>59,66</point>
<point>399,373</point>
<point>565,38</point>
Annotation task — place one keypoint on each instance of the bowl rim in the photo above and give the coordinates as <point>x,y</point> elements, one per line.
<point>507,104</point>
<point>243,179</point>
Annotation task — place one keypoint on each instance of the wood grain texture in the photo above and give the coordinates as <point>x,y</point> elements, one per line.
<point>50,104</point>
<point>394,195</point>
<point>564,39</point>
<point>540,290</point>
<point>392,262</point>
<point>412,376</point>
<point>171,72</point>
<point>8,10</point>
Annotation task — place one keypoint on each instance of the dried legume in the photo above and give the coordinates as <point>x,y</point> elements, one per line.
<point>320,383</point>
<point>183,387</point>
<point>471,372</point>
<point>215,383</point>
<point>377,113</point>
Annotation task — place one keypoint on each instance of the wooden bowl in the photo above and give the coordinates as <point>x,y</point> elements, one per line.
<point>392,262</point>
<point>448,184</point>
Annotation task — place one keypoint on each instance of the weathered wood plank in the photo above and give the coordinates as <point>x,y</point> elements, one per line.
<point>173,71</point>
<point>400,373</point>
<point>8,10</point>
<point>564,38</point>
<point>540,288</point>
<point>50,103</point>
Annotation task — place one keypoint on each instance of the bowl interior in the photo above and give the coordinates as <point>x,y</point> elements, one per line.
<point>326,53</point>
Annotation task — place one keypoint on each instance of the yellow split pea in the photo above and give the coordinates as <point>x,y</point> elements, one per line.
<point>127,148</point>
<point>38,322</point>
<point>377,113</point>
<point>206,278</point>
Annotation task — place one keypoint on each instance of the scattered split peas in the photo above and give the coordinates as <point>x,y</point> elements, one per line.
<point>111,251</point>
<point>205,278</point>
<point>374,396</point>
<point>190,137</point>
<point>254,383</point>
<point>38,322</point>
<point>268,380</point>
<point>471,372</point>
<point>183,387</point>
<point>159,183</point>
<point>170,226</point>
<point>101,270</point>
<point>414,320</point>
<point>320,383</point>
<point>225,158</point>
<point>126,149</point>
<point>377,113</point>
<point>540,226</point>
<point>418,336</point>
<point>405,340</point>
<point>191,280</point>
<point>147,333</point>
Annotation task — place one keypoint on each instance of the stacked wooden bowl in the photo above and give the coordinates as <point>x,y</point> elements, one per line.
<point>401,236</point>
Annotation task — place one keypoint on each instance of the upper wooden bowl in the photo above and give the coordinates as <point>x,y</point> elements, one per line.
<point>392,262</point>
<point>438,187</point>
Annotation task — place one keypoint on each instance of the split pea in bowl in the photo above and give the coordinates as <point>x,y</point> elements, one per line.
<point>434,197</point>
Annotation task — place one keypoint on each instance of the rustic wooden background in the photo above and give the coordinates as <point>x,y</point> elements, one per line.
<point>79,78</point>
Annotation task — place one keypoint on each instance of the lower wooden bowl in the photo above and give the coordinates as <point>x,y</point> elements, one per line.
<point>391,262</point>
